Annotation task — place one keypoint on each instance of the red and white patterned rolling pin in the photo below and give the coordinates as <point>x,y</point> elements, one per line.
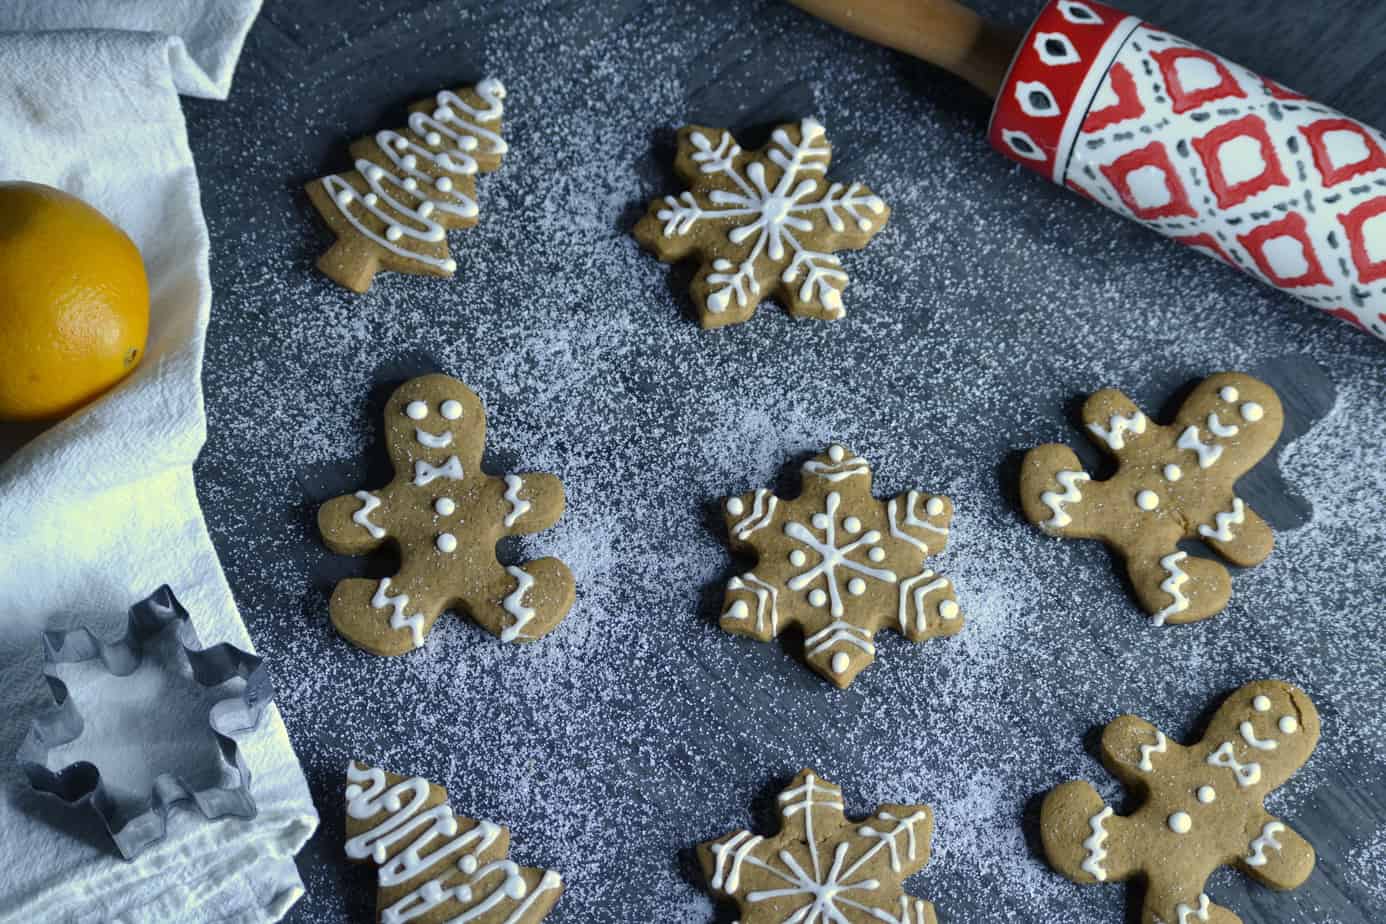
<point>1179,139</point>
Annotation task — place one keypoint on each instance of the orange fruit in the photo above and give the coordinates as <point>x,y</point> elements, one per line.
<point>74,303</point>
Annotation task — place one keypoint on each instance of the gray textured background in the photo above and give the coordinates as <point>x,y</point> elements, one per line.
<point>976,322</point>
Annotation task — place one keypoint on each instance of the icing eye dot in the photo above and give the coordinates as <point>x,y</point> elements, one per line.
<point>1173,472</point>
<point>1228,393</point>
<point>852,525</point>
<point>1147,500</point>
<point>797,558</point>
<point>1252,412</point>
<point>1261,703</point>
<point>876,554</point>
<point>1289,724</point>
<point>446,542</point>
<point>948,609</point>
<point>856,587</point>
<point>417,410</point>
<point>840,662</point>
<point>817,597</point>
<point>1207,795</point>
<point>934,507</point>
<point>450,409</point>
<point>735,507</point>
<point>444,507</point>
<point>836,453</point>
<point>1180,823</point>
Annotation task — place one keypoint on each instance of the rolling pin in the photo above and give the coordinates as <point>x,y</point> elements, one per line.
<point>1187,143</point>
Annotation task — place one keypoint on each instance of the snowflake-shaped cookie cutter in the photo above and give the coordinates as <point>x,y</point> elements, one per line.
<point>80,784</point>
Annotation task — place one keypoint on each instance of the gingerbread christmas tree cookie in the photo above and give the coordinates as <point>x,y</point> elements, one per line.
<point>409,186</point>
<point>840,564</point>
<point>1173,483</point>
<point>437,867</point>
<point>1201,806</point>
<point>822,867</point>
<point>761,223</point>
<point>445,516</point>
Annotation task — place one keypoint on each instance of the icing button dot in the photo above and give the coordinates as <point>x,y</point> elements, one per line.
<point>797,558</point>
<point>1207,795</point>
<point>1147,500</point>
<point>444,507</point>
<point>852,525</point>
<point>856,587</point>
<point>817,597</point>
<point>417,410</point>
<point>1180,823</point>
<point>840,662</point>
<point>1173,472</point>
<point>1261,703</point>
<point>836,453</point>
<point>1289,724</point>
<point>876,554</point>
<point>447,542</point>
<point>1252,412</point>
<point>735,507</point>
<point>451,409</point>
<point>948,609</point>
<point>1229,394</point>
<point>934,506</point>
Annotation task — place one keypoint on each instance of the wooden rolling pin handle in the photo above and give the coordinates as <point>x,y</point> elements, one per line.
<point>943,32</point>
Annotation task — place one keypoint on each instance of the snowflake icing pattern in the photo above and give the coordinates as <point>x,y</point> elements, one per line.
<point>822,867</point>
<point>762,223</point>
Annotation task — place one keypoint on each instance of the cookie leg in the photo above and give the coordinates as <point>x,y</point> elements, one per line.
<point>1239,535</point>
<point>1171,901</point>
<point>536,597</point>
<point>379,617</point>
<point>1177,588</point>
<point>1083,838</point>
<point>1056,493</point>
<point>1277,856</point>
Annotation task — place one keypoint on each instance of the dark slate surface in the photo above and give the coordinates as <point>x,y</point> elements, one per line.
<point>977,321</point>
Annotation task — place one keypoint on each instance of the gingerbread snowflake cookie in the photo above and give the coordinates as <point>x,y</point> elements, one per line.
<point>445,515</point>
<point>1173,482</point>
<point>822,866</point>
<point>1201,809</point>
<point>840,564</point>
<point>464,875</point>
<point>761,223</point>
<point>409,186</point>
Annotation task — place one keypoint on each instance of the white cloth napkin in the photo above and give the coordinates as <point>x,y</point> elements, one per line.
<point>98,510</point>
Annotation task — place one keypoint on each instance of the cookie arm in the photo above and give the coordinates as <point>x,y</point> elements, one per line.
<point>1276,854</point>
<point>1057,495</point>
<point>1175,587</point>
<point>1134,751</point>
<point>353,523</point>
<point>1084,839</point>
<point>1114,423</point>
<point>1238,534</point>
<point>534,502</point>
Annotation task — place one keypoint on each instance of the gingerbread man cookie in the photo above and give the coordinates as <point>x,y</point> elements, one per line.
<point>445,515</point>
<point>409,186</point>
<point>1201,809</point>
<point>1173,482</point>
<point>762,223</point>
<point>841,564</point>
<point>822,866</point>
<point>464,876</point>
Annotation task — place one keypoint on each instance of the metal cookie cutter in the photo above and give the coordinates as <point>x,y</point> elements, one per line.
<point>151,620</point>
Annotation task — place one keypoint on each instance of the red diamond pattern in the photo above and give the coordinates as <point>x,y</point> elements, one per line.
<point>1284,252</point>
<point>1148,184</point>
<point>1342,150</point>
<point>1240,160</point>
<point>1194,77</point>
<point>1127,105</point>
<point>1366,231</point>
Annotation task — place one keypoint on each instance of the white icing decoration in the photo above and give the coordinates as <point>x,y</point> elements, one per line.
<point>1229,394</point>
<point>446,542</point>
<point>451,409</point>
<point>1092,863</point>
<point>1180,823</point>
<point>433,441</point>
<point>417,410</point>
<point>727,876</point>
<point>1248,733</point>
<point>1147,500</point>
<point>1252,412</point>
<point>876,554</point>
<point>1225,521</point>
<point>1114,434</point>
<point>735,507</point>
<point>762,512</point>
<point>772,216</point>
<point>888,838</point>
<point>399,618</point>
<point>514,604</point>
<point>911,594</point>
<point>459,123</point>
<point>934,506</point>
<point>362,517</point>
<point>1247,774</point>
<point>838,467</point>
<point>911,520</point>
<point>1218,428</point>
<point>797,558</point>
<point>1267,841</point>
<point>1172,585</point>
<point>767,597</point>
<point>856,587</point>
<point>1173,472</point>
<point>425,473</point>
<point>839,631</point>
<point>444,507</point>
<point>518,507</point>
<point>406,817</point>
<point>1261,703</point>
<point>841,660</point>
<point>831,555</point>
<point>1159,747</point>
<point>852,525</point>
<point>1201,912</point>
<point>1288,724</point>
<point>1207,795</point>
<point>1069,481</point>
<point>817,597</point>
<point>1207,455</point>
<point>948,609</point>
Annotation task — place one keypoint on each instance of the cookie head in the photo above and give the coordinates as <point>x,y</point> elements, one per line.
<point>1263,733</point>
<point>1235,415</point>
<point>434,419</point>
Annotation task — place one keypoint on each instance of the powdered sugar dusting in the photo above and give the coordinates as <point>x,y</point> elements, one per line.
<point>974,320</point>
